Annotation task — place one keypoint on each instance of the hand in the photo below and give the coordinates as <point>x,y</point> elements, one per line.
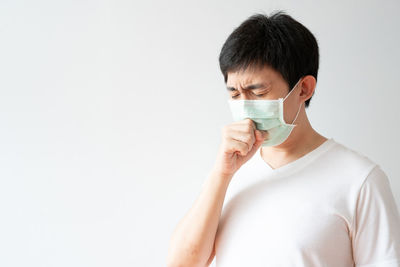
<point>240,140</point>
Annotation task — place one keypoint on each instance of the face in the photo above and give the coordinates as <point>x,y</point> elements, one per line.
<point>264,83</point>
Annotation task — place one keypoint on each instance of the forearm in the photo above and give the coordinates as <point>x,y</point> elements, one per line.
<point>192,240</point>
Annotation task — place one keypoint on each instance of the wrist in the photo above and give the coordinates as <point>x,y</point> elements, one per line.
<point>220,174</point>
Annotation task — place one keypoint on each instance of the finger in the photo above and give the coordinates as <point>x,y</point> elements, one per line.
<point>246,137</point>
<point>245,127</point>
<point>261,135</point>
<point>235,145</point>
<point>243,124</point>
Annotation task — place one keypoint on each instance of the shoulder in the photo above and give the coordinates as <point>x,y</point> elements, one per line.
<point>368,181</point>
<point>351,161</point>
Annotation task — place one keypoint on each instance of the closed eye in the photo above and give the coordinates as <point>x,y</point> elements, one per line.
<point>263,92</point>
<point>259,95</point>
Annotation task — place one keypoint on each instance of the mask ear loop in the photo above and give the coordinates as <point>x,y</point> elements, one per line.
<point>297,114</point>
<point>298,111</point>
<point>292,89</point>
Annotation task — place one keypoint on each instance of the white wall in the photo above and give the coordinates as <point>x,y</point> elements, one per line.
<point>110,115</point>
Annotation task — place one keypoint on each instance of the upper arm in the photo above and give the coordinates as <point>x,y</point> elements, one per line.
<point>376,223</point>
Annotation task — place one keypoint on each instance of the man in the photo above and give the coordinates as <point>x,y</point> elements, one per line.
<point>284,195</point>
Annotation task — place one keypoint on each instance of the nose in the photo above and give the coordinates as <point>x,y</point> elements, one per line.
<point>245,95</point>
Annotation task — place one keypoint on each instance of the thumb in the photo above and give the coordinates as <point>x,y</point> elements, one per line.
<point>261,135</point>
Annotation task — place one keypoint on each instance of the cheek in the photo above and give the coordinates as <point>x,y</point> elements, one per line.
<point>290,110</point>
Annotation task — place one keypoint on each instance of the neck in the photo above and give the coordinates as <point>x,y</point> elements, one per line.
<point>302,140</point>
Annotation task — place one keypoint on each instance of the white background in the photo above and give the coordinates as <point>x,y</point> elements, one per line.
<point>111,111</point>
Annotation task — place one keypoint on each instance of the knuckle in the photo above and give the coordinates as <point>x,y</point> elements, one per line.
<point>248,139</point>
<point>246,147</point>
<point>249,127</point>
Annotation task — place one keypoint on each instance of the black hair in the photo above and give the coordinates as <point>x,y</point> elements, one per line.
<point>278,41</point>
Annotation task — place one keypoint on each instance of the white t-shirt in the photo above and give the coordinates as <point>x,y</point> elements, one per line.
<point>331,207</point>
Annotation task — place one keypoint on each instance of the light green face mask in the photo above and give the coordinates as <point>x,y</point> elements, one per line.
<point>267,115</point>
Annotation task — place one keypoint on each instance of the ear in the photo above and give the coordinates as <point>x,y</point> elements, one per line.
<point>307,87</point>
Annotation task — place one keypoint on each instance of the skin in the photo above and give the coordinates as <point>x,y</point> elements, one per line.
<point>193,240</point>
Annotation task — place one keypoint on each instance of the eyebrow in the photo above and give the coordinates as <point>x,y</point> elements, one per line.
<point>249,87</point>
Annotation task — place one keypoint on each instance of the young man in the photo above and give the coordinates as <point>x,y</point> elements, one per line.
<point>284,195</point>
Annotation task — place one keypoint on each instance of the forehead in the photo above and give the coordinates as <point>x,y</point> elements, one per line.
<point>252,75</point>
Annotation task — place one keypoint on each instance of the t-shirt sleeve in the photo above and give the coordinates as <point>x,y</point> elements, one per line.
<point>376,223</point>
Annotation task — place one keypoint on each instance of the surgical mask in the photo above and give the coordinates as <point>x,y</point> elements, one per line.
<point>267,115</point>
